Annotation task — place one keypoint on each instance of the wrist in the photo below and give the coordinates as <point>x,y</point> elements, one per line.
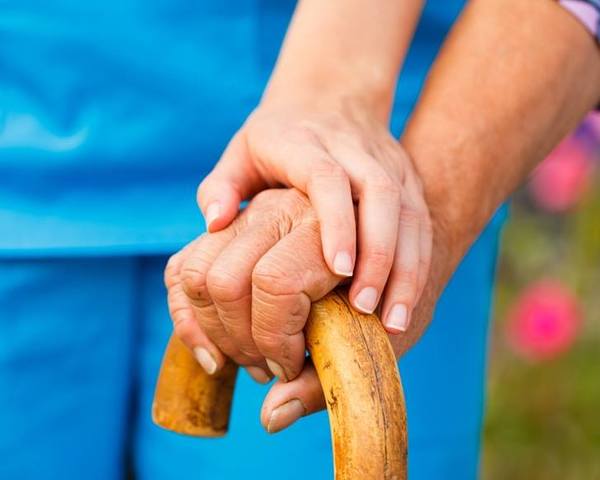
<point>329,89</point>
<point>353,47</point>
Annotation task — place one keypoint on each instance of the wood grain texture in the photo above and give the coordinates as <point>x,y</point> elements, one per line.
<point>357,369</point>
<point>189,401</point>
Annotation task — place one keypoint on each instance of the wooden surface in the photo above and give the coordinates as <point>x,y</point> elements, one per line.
<point>359,375</point>
<point>188,400</point>
<point>358,371</point>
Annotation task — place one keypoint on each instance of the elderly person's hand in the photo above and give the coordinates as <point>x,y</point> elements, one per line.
<point>245,292</point>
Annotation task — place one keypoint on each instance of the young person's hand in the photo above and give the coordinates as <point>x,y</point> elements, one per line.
<point>338,156</point>
<point>322,128</point>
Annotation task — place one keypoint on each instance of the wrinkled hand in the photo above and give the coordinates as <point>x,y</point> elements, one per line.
<point>337,154</point>
<point>245,292</point>
<point>286,402</point>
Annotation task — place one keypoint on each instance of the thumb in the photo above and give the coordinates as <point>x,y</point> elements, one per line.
<point>233,179</point>
<point>287,402</point>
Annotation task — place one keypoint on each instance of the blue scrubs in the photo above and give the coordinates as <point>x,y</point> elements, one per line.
<point>110,114</point>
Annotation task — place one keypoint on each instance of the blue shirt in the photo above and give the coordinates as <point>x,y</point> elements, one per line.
<point>112,112</point>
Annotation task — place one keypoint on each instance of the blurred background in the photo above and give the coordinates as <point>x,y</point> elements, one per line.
<point>543,419</point>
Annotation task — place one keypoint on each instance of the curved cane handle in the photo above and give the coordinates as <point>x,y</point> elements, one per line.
<point>359,375</point>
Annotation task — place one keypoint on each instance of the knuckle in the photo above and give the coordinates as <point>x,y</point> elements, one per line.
<point>380,257</point>
<point>343,226</point>
<point>282,348</point>
<point>264,276</point>
<point>293,205</point>
<point>285,316</point>
<point>194,282</point>
<point>269,342</point>
<point>407,280</point>
<point>303,132</point>
<point>408,295</point>
<point>211,325</point>
<point>410,216</point>
<point>291,137</point>
<point>270,278</point>
<point>326,170</point>
<point>170,273</point>
<point>294,198</point>
<point>354,138</point>
<point>262,198</point>
<point>183,327</point>
<point>223,343</point>
<point>224,285</point>
<point>381,182</point>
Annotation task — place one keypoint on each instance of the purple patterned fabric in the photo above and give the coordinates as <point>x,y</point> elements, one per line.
<point>587,11</point>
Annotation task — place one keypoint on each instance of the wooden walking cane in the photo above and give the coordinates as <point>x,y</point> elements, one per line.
<point>359,375</point>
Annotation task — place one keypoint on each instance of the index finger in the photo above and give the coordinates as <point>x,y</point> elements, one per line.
<point>298,159</point>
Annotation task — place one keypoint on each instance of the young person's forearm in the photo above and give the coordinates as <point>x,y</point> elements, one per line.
<point>346,48</point>
<point>512,80</point>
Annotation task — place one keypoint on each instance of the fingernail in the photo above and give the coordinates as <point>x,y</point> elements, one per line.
<point>212,213</point>
<point>277,370</point>
<point>397,319</point>
<point>258,374</point>
<point>206,360</point>
<point>342,264</point>
<point>286,414</point>
<point>366,300</point>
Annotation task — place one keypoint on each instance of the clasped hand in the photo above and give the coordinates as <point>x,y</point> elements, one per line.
<point>244,290</point>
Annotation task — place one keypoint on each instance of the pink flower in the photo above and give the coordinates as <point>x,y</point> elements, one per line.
<point>544,321</point>
<point>563,178</point>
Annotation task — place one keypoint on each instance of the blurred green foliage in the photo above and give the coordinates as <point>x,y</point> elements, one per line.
<point>543,418</point>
